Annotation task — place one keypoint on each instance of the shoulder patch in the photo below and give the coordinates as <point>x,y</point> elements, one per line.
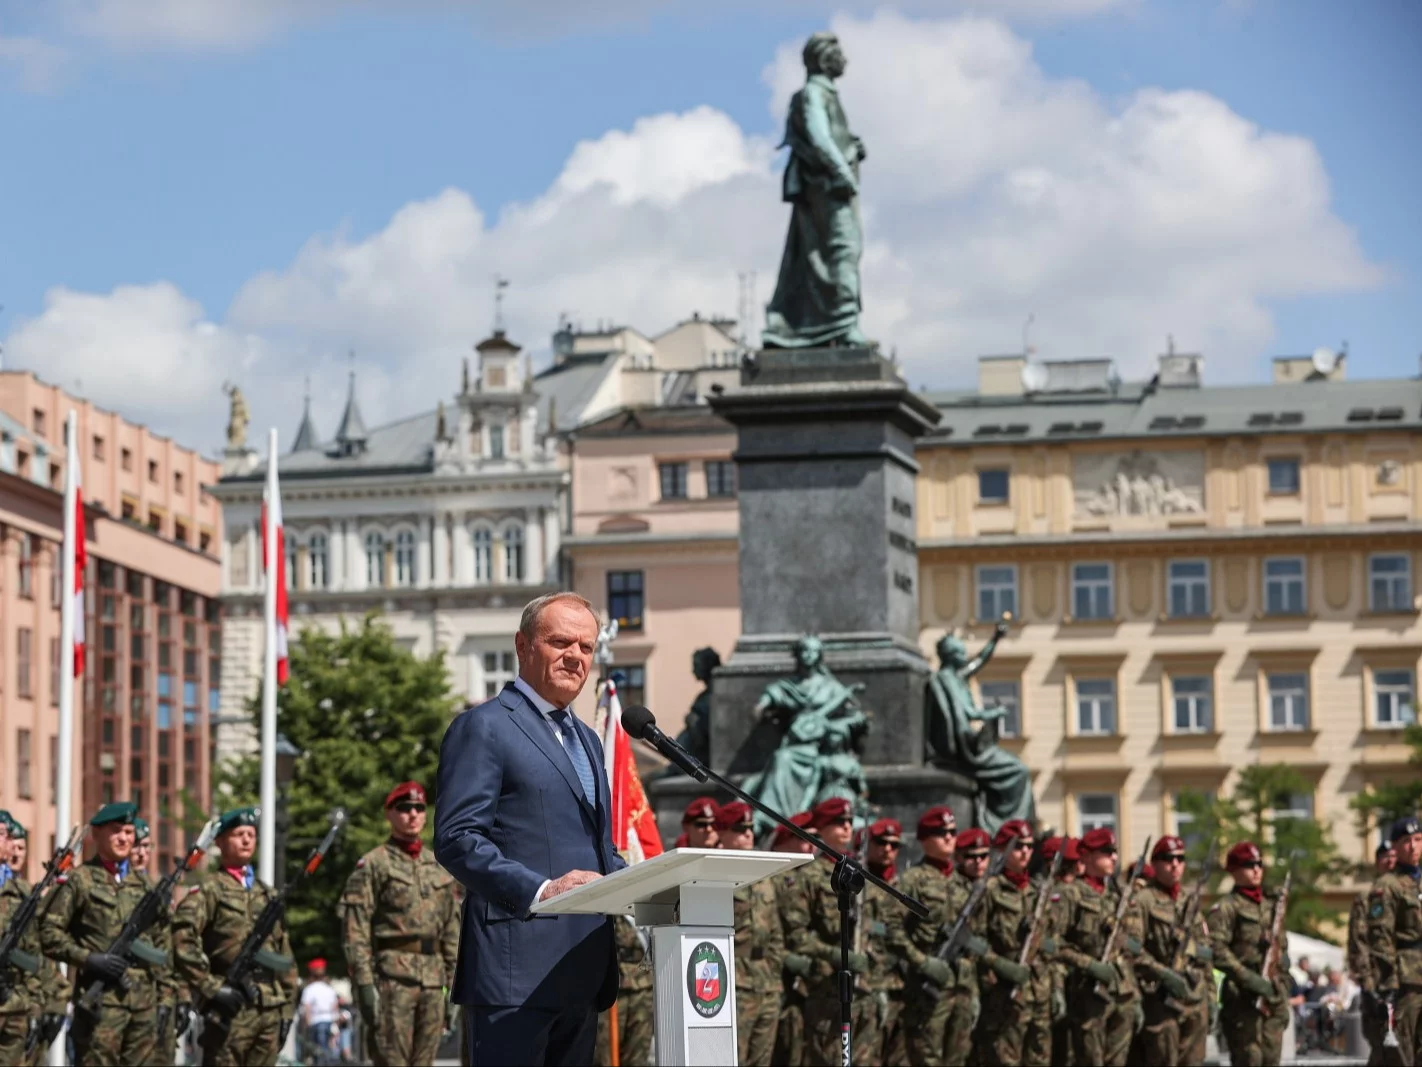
<point>1215,908</point>
<point>1056,897</point>
<point>61,879</point>
<point>360,862</point>
<point>1376,911</point>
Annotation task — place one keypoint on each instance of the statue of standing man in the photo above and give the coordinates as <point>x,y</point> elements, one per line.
<point>816,302</point>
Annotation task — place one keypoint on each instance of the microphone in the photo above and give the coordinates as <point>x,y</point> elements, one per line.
<point>638,721</point>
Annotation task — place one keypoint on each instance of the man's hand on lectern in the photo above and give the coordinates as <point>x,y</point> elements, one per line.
<point>571,880</point>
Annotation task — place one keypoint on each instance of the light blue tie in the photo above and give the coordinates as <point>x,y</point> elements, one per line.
<point>573,744</point>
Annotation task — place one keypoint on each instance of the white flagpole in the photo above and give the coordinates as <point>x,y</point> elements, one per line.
<point>266,829</point>
<point>64,747</point>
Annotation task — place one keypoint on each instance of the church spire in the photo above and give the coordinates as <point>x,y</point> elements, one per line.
<point>351,434</point>
<point>306,437</point>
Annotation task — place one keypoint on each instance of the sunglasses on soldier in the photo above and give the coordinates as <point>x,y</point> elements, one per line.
<point>887,842</point>
<point>973,855</point>
<point>945,831</point>
<point>407,806</point>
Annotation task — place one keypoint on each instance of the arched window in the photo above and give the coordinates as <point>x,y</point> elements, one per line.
<point>374,559</point>
<point>292,578</point>
<point>483,554</point>
<point>513,554</point>
<point>405,558</point>
<point>318,561</point>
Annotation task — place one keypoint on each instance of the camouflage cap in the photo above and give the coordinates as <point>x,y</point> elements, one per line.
<point>230,820</point>
<point>120,811</point>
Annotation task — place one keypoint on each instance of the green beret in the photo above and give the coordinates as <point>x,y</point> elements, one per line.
<point>119,811</point>
<point>230,820</point>
<point>7,821</point>
<point>140,829</point>
<point>17,831</point>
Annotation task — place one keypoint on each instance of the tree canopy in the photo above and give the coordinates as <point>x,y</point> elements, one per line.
<point>1378,805</point>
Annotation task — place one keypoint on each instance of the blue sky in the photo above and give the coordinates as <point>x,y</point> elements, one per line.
<point>231,196</point>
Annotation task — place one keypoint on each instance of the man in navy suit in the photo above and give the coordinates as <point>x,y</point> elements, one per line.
<point>521,816</point>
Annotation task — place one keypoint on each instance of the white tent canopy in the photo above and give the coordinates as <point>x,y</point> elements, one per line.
<point>1320,953</point>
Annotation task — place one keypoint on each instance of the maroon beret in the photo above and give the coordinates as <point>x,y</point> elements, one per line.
<point>1101,839</point>
<point>414,790</point>
<point>1050,847</point>
<point>800,819</point>
<point>700,808</point>
<point>1168,846</point>
<point>1010,831</point>
<point>1071,849</point>
<point>971,839</point>
<point>1242,853</point>
<point>937,818</point>
<point>887,829</point>
<point>830,811</point>
<point>733,814</point>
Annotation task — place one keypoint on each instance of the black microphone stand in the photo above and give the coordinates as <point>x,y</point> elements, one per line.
<point>847,880</point>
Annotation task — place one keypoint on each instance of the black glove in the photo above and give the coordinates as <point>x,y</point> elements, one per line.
<point>285,1029</point>
<point>184,1019</point>
<point>228,1000</point>
<point>51,1026</point>
<point>105,965</point>
<point>368,1002</point>
<point>1257,984</point>
<point>165,1015</point>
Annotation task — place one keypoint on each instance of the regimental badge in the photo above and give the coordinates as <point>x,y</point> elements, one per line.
<point>360,862</point>
<point>707,980</point>
<point>1376,911</point>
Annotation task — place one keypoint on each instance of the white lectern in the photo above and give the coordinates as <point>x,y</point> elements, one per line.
<point>686,897</point>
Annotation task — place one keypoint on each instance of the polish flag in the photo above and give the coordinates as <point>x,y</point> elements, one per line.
<point>708,980</point>
<point>634,826</point>
<point>273,501</point>
<point>81,559</point>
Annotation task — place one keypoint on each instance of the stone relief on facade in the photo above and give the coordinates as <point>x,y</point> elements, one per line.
<point>1139,483</point>
<point>1389,473</point>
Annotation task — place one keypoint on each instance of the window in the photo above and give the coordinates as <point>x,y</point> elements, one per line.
<point>1389,583</point>
<point>289,547</point>
<point>1095,707</point>
<point>24,638</point>
<point>997,592</point>
<point>98,451</point>
<point>1295,806</point>
<point>513,554</point>
<point>155,521</point>
<point>496,442</point>
<point>126,458</point>
<point>500,668</point>
<point>631,684</point>
<point>1091,594</point>
<point>130,511</point>
<point>1192,699</point>
<point>53,768</point>
<point>54,648</point>
<point>1288,702</point>
<point>56,578</point>
<point>673,476</point>
<point>27,566</point>
<point>1188,589</point>
<point>720,478</point>
<point>180,532</point>
<point>374,560</point>
<point>1096,811</point>
<point>204,541</point>
<point>39,423</point>
<point>1185,820</point>
<point>1284,586</point>
<point>483,554</point>
<point>405,558</point>
<point>993,486</point>
<point>1004,695</point>
<point>1284,477</point>
<point>177,481</point>
<point>22,764</point>
<point>624,598</point>
<point>1394,698</point>
<point>317,561</point>
<point>153,471</point>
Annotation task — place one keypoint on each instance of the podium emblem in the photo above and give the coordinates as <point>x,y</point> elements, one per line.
<point>706,980</point>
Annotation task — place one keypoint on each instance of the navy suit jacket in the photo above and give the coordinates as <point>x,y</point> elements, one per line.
<point>509,814</point>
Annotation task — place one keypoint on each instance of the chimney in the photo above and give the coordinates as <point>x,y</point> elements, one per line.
<point>1000,375</point>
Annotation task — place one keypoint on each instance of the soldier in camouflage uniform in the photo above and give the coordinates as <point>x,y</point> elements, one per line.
<point>1016,1023</point>
<point>880,858</point>
<point>1240,925</point>
<point>162,938</point>
<point>1175,1002</point>
<point>1395,935</point>
<point>209,926</point>
<point>18,1012</point>
<point>1061,906</point>
<point>760,946</point>
<point>940,999</point>
<point>634,1002</point>
<point>401,931</point>
<point>1103,1001</point>
<point>86,912</point>
<point>789,889</point>
<point>1360,960</point>
<point>50,995</point>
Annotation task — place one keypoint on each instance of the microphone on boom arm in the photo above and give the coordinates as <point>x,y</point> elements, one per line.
<point>639,722</point>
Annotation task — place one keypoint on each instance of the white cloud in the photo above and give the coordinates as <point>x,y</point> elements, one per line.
<point>34,64</point>
<point>991,191</point>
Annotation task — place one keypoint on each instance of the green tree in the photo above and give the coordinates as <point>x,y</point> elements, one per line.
<point>366,714</point>
<point>1378,805</point>
<point>1248,813</point>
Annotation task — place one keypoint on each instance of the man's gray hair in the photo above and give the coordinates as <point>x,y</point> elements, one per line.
<point>528,621</point>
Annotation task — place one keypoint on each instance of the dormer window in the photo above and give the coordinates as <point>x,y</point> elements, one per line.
<point>495,377</point>
<point>496,441</point>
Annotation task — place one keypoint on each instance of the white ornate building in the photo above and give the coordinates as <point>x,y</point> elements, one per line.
<point>447,522</point>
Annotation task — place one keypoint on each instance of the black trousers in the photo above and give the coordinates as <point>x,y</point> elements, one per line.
<point>530,1037</point>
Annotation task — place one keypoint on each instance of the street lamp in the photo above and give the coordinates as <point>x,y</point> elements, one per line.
<point>286,756</point>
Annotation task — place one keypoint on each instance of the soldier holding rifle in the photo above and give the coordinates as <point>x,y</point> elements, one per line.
<point>1247,936</point>
<point>1395,934</point>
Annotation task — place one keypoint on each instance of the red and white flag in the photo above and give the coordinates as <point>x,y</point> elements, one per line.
<point>634,825</point>
<point>81,559</point>
<point>273,523</point>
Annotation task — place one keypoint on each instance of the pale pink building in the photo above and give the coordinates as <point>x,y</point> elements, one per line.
<point>153,625</point>
<point>654,545</point>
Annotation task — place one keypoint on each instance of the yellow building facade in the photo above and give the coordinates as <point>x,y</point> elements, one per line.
<point>1200,579</point>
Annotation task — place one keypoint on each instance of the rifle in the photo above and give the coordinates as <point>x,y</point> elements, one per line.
<point>129,943</point>
<point>1036,931</point>
<point>1118,934</point>
<point>1276,940</point>
<point>953,936</point>
<point>12,956</point>
<point>216,1022</point>
<point>1187,922</point>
